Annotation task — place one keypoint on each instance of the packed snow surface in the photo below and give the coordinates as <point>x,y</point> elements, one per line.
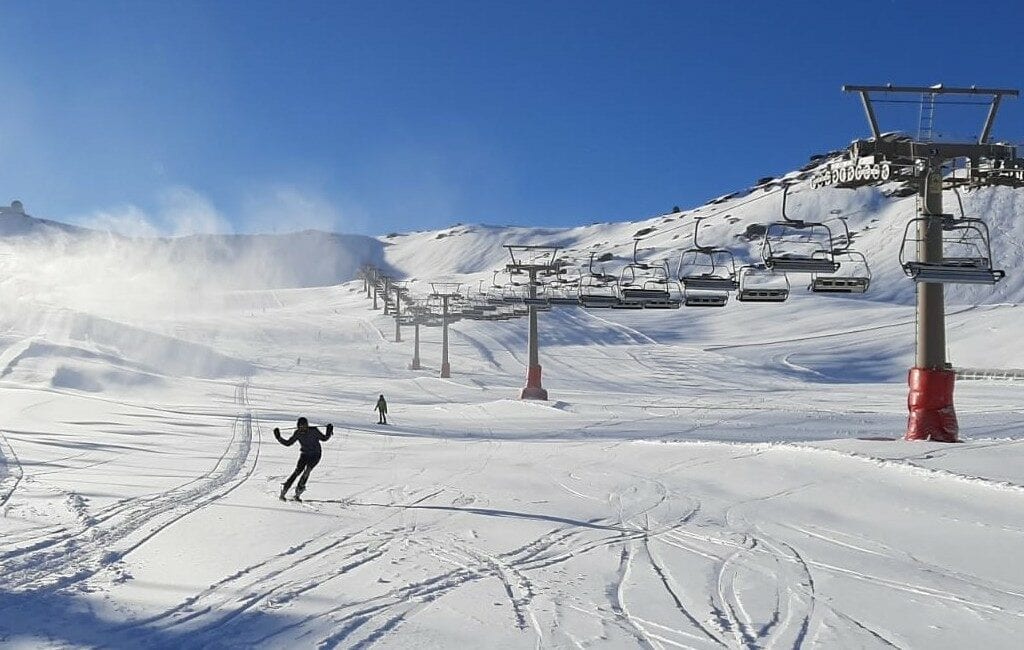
<point>728,478</point>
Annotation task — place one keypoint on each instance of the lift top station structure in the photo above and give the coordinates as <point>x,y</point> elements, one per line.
<point>947,249</point>
<point>533,261</point>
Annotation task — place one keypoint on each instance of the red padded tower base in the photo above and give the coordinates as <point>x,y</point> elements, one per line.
<point>930,402</point>
<point>533,388</point>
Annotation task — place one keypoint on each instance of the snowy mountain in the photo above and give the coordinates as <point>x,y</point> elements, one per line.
<point>701,478</point>
<point>876,218</point>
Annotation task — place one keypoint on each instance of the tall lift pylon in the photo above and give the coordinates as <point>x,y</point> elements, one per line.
<point>923,163</point>
<point>533,260</point>
<point>445,292</point>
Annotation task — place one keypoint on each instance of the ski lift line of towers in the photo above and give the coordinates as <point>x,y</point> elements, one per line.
<point>790,246</point>
<point>705,276</point>
<point>937,249</point>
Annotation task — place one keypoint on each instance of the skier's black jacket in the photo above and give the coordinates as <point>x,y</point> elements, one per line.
<point>309,440</point>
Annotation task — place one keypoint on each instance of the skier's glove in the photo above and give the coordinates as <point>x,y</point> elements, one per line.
<point>277,431</point>
<point>330,429</point>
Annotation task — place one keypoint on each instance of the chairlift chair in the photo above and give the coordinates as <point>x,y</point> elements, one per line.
<point>512,293</point>
<point>469,310</point>
<point>495,295</point>
<point>481,300</point>
<point>692,298</point>
<point>598,290</point>
<point>706,268</point>
<point>795,246</point>
<point>539,299</point>
<point>757,283</point>
<point>627,304</point>
<point>565,294</point>
<point>642,282</point>
<point>565,288</point>
<point>673,293</point>
<point>966,252</point>
<point>853,275</point>
<point>641,290</point>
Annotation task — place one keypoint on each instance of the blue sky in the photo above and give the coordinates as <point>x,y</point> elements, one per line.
<point>370,117</point>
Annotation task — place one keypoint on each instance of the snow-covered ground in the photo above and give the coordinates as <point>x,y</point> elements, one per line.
<point>700,478</point>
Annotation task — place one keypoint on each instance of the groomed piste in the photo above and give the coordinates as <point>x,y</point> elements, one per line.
<point>697,478</point>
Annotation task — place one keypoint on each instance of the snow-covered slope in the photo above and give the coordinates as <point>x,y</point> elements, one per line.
<point>876,217</point>
<point>700,478</point>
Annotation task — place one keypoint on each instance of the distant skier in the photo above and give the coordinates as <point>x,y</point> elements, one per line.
<point>382,409</point>
<point>309,442</point>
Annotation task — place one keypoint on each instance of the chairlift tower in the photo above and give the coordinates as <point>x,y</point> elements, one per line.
<point>364,275</point>
<point>400,292</point>
<point>922,162</point>
<point>445,291</point>
<point>385,289</point>
<point>417,311</point>
<point>531,260</point>
<point>415,364</point>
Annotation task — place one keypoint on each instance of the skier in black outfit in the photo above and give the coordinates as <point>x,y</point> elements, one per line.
<point>309,442</point>
<point>382,409</point>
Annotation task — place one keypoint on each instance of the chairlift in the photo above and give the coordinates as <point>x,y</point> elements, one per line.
<point>598,290</point>
<point>469,309</point>
<point>795,246</point>
<point>642,282</point>
<point>692,298</point>
<point>481,301</point>
<point>758,283</point>
<point>495,296</point>
<point>513,293</point>
<point>565,294</point>
<point>536,296</point>
<point>966,252</point>
<point>565,288</point>
<point>853,275</point>
<point>706,268</point>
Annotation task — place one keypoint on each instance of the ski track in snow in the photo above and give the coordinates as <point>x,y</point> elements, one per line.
<point>11,472</point>
<point>67,557</point>
<point>597,521</point>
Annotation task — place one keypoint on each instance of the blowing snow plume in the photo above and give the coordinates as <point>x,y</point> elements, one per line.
<point>116,275</point>
<point>76,298</point>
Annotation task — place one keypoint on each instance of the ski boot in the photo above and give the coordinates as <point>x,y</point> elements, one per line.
<point>283,496</point>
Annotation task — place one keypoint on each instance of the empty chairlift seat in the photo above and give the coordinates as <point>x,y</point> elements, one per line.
<point>598,290</point>
<point>645,283</point>
<point>803,248</point>
<point>966,252</point>
<point>852,277</point>
<point>536,296</point>
<point>707,274</point>
<point>706,298</point>
<point>795,246</point>
<point>758,283</point>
